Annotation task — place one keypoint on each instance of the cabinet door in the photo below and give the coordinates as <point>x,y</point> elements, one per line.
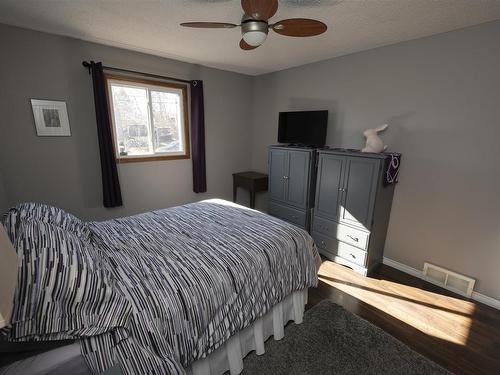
<point>329,185</point>
<point>360,189</point>
<point>297,178</point>
<point>277,173</point>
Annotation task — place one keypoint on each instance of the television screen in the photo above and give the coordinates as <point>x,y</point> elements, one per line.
<point>304,127</point>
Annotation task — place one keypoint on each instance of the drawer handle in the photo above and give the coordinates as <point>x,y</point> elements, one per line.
<point>356,239</point>
<point>354,256</point>
<point>323,243</point>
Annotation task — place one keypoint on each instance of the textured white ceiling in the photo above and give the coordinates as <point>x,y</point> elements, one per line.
<point>152,26</point>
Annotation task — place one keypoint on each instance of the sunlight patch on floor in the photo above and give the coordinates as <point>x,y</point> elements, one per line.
<point>441,316</point>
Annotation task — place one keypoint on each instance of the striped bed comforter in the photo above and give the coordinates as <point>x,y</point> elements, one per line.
<point>161,289</point>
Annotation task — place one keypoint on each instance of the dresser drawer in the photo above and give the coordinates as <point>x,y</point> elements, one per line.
<point>347,234</point>
<point>351,253</point>
<point>353,236</point>
<point>326,245</point>
<point>329,246</point>
<point>289,214</point>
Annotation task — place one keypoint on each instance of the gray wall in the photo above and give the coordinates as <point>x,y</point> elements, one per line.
<point>66,171</point>
<point>441,97</point>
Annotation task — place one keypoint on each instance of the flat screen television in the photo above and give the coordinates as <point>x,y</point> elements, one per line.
<point>303,128</point>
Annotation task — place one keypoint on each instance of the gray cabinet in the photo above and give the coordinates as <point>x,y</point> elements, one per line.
<point>359,190</point>
<point>277,173</point>
<point>291,184</point>
<point>297,180</point>
<point>352,208</point>
<point>329,186</point>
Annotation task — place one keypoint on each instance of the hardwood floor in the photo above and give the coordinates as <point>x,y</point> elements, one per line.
<point>459,334</point>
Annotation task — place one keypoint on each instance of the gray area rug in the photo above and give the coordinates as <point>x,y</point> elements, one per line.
<point>331,340</point>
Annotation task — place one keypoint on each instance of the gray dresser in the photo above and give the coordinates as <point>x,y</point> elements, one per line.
<point>352,208</point>
<point>291,184</point>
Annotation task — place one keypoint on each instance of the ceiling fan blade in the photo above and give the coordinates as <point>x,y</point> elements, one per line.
<point>209,25</point>
<point>299,27</point>
<point>245,46</point>
<point>260,9</point>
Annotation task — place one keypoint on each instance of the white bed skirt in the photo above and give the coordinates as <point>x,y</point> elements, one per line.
<point>230,355</point>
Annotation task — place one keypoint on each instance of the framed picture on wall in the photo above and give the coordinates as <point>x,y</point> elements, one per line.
<point>51,118</point>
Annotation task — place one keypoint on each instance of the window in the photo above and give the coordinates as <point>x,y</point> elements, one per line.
<point>149,119</point>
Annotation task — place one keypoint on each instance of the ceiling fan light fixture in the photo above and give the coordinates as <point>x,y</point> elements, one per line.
<point>254,32</point>
<point>254,38</point>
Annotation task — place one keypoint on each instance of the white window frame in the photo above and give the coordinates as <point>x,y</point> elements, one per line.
<point>149,85</point>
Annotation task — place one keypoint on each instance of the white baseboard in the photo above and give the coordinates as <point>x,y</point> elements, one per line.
<point>486,300</point>
<point>492,302</point>
<point>403,267</point>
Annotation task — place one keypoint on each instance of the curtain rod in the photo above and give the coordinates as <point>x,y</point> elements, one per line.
<point>86,64</point>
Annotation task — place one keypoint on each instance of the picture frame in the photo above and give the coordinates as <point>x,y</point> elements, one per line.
<point>51,118</point>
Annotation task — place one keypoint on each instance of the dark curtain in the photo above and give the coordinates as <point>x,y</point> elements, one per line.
<point>111,193</point>
<point>198,137</point>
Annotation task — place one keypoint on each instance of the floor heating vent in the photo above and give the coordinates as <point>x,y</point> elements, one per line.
<point>447,279</point>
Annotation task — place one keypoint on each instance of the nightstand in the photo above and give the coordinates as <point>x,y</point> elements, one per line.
<point>251,181</point>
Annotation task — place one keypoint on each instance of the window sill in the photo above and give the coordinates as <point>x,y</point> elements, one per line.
<point>150,158</point>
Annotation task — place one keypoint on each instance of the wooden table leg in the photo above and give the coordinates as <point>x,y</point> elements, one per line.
<point>252,199</point>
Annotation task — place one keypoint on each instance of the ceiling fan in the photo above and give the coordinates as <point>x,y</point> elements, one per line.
<point>255,24</point>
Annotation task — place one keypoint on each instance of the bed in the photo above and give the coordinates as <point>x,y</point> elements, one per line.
<point>189,289</point>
